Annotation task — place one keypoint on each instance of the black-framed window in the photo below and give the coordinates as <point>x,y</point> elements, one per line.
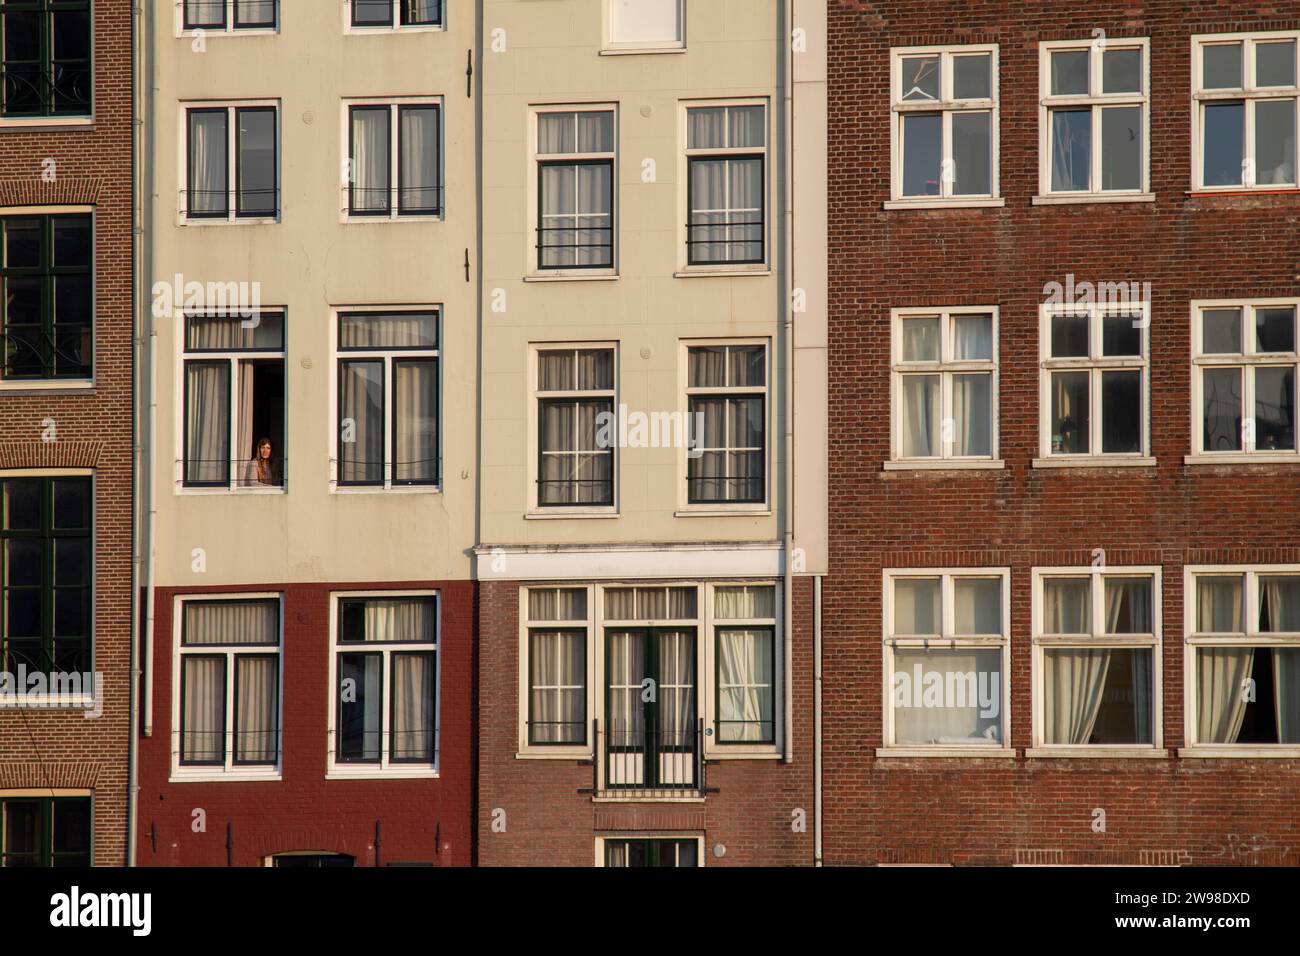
<point>234,401</point>
<point>395,159</point>
<point>386,680</point>
<point>48,273</point>
<point>745,663</point>
<point>652,853</point>
<point>46,571</point>
<point>401,13</point>
<point>576,435</point>
<point>45,831</point>
<point>225,139</point>
<point>727,399</point>
<point>575,189</point>
<point>726,151</point>
<point>47,54</point>
<point>388,398</point>
<point>231,14</point>
<point>557,666</point>
<point>230,683</point>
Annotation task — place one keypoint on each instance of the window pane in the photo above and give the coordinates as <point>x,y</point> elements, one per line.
<point>388,330</point>
<point>556,133</point>
<point>369,189</point>
<point>1221,408</point>
<point>919,422</point>
<point>744,603</point>
<point>415,426</point>
<point>557,687</point>
<point>920,77</point>
<point>951,697</point>
<point>1070,336</point>
<point>372,12</point>
<point>972,338</point>
<point>415,12</point>
<point>71,504</point>
<point>414,678</point>
<point>1071,150</point>
<point>1225,137</point>
<point>916,606</point>
<point>922,153</point>
<point>361,425</point>
<point>1275,142</point>
<point>706,127</point>
<point>1121,148</point>
<point>595,369</point>
<point>230,334</point>
<point>746,685</point>
<point>1221,673</point>
<point>257,696</point>
<point>1067,606</point>
<point>1274,330</point>
<point>1220,331</point>
<point>361,693</point>
<point>205,13</point>
<point>1070,413</point>
<point>203,709</point>
<point>747,366</point>
<point>418,177</point>
<point>978,606</point>
<point>257,194</point>
<point>73,245</point>
<point>1279,604</point>
<point>71,826</point>
<point>1275,64</point>
<point>1220,607</point>
<point>1097,696</point>
<point>921,339</point>
<point>1121,71</point>
<point>971,77</point>
<point>207,423</point>
<point>645,21</point>
<point>1128,606</point>
<point>745,127</point>
<point>22,833</point>
<point>564,604</point>
<point>254,13</point>
<point>1121,413</point>
<point>556,371</point>
<point>596,132</point>
<point>22,242</point>
<point>972,154</point>
<point>972,414</point>
<point>1275,409</point>
<point>408,620</point>
<point>214,623</point>
<point>1070,73</point>
<point>1122,334</point>
<point>206,192</point>
<point>1221,66</point>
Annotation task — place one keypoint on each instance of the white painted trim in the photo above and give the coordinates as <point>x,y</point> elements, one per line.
<point>758,559</point>
<point>610,47</point>
<point>396,27</point>
<point>648,835</point>
<point>394,157</point>
<point>232,151</point>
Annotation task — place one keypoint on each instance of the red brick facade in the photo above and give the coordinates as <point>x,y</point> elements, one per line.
<point>1024,809</point>
<point>44,749</point>
<point>421,820</point>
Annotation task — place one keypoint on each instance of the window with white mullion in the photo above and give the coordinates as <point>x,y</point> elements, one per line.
<point>576,427</point>
<point>727,405</point>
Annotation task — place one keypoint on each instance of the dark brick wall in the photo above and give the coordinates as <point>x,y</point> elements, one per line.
<point>1188,247</point>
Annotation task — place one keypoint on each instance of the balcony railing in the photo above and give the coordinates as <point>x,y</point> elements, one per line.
<point>637,762</point>
<point>31,90</point>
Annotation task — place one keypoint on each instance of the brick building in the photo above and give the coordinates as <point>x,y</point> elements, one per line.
<point>1060,624</point>
<point>65,432</point>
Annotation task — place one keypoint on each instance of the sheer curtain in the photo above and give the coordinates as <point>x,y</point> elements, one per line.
<point>916,607</point>
<point>245,451</point>
<point>370,164</point>
<point>677,702</point>
<point>563,604</point>
<point>626,666</point>
<point>362,387</point>
<point>405,620</point>
<point>415,459</point>
<point>1221,703</point>
<point>744,684</point>
<point>207,427</point>
<point>971,413</point>
<point>708,210</point>
<point>1076,678</point>
<point>208,186</point>
<point>942,722</point>
<point>1066,606</point>
<point>384,330</point>
<point>919,425</point>
<point>419,159</point>
<point>256,717</point>
<point>595,207</point>
<point>1128,611</point>
<point>210,623</point>
<point>557,665</point>
<point>203,709</point>
<point>744,603</point>
<point>413,724</point>
<point>1280,613</point>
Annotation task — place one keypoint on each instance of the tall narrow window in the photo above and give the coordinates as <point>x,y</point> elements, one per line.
<point>647,24</point>
<point>222,15</point>
<point>47,48</point>
<point>1095,115</point>
<point>745,631</point>
<point>945,123</point>
<point>557,666</point>
<point>45,569</point>
<point>386,681</point>
<point>1244,378</point>
<point>1245,92</point>
<point>223,140</point>
<point>234,428</point>
<point>394,160</point>
<point>576,438</point>
<point>388,394</point>
<point>726,392</point>
<point>726,155</point>
<point>396,13</point>
<point>48,274</point>
<point>229,701</point>
<point>575,188</point>
<point>45,831</point>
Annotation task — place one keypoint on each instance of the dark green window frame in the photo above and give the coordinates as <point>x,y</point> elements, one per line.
<point>768,726</point>
<point>52,845</point>
<point>54,346</point>
<point>49,78</point>
<point>45,651</point>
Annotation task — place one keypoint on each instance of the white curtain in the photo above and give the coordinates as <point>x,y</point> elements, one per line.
<point>921,340</point>
<point>419,159</point>
<point>244,450</point>
<point>208,185</point>
<point>1067,606</point>
<point>1075,681</point>
<point>645,21</point>
<point>972,338</point>
<point>413,723</point>
<point>203,709</point>
<point>389,330</point>
<point>942,721</point>
<point>415,457</point>
<point>558,682</point>
<point>556,133</point>
<point>1286,690</point>
<point>750,602</point>
<point>255,709</point>
<point>1220,698</point>
<point>255,11</point>
<point>232,334</point>
<point>977,606</point>
<point>1128,606</point>
<point>626,666</point>
<point>916,607</point>
<point>557,604</point>
<point>676,688</point>
<point>1219,605</point>
<point>362,385</point>
<point>745,682</point>
<point>370,162</point>
<point>400,619</point>
<point>209,623</point>
<point>919,425</point>
<point>420,11</point>
<point>207,439</point>
<point>972,414</point>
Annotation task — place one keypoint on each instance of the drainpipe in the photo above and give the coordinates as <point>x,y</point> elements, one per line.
<point>788,350</point>
<point>151,416</point>
<point>817,721</point>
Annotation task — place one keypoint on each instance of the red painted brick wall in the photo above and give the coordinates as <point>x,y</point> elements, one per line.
<point>548,823</point>
<point>304,811</point>
<point>1000,811</point>
<point>92,165</point>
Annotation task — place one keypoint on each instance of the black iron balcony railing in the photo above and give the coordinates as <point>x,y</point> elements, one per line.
<point>571,492</point>
<point>241,473</point>
<point>34,352</point>
<point>32,90</point>
<point>557,245</point>
<point>639,762</point>
<point>725,242</point>
<point>411,200</point>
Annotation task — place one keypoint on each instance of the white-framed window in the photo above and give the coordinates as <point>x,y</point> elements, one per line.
<point>669,851</point>
<point>1244,95</point>
<point>645,26</point>
<point>712,652</point>
<point>726,184</point>
<point>1094,117</point>
<point>371,16</point>
<point>1243,658</point>
<point>727,423</point>
<point>1094,382</point>
<point>393,166</point>
<point>574,397</point>
<point>1097,657</point>
<point>384,679</point>
<point>233,426</point>
<point>575,154</point>
<point>227,675</point>
<point>1244,364</point>
<point>947,661</point>
<point>228,16</point>
<point>945,384</point>
<point>230,165</point>
<point>388,393</point>
<point>944,128</point>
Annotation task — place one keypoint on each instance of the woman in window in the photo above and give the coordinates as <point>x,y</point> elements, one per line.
<point>260,470</point>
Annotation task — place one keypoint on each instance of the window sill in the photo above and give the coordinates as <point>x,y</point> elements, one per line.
<point>1098,752</point>
<point>1233,752</point>
<point>986,203</point>
<point>549,516</point>
<point>1094,461</point>
<point>763,512</point>
<point>232,492</point>
<point>729,273</point>
<point>334,773</point>
<point>947,464</point>
<point>768,753</point>
<point>1239,191</point>
<point>644,799</point>
<point>191,32</point>
<point>384,30</point>
<point>636,51</point>
<point>388,220</point>
<point>1082,198</point>
<point>1240,458</point>
<point>242,221</point>
<point>999,753</point>
<point>49,387</point>
<point>336,489</point>
<point>558,754</point>
<point>234,776</point>
<point>602,275</point>
<point>48,122</point>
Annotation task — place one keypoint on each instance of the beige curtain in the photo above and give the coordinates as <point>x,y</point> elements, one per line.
<point>1075,681</point>
<point>557,685</point>
<point>1220,698</point>
<point>256,705</point>
<point>916,607</point>
<point>919,425</point>
<point>750,602</point>
<point>413,719</point>
<point>408,620</point>
<point>203,723</point>
<point>385,330</point>
<point>207,440</point>
<point>745,683</point>
<point>210,623</point>
<point>557,604</point>
<point>1067,606</point>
